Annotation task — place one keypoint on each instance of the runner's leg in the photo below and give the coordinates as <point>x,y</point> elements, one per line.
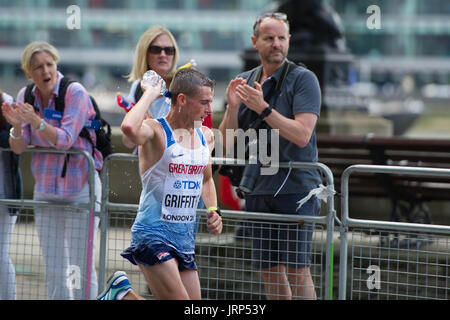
<point>164,280</point>
<point>191,283</point>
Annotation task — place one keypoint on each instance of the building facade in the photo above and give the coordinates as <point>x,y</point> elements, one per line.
<point>412,38</point>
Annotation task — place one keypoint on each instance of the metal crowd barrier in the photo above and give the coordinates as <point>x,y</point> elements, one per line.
<point>392,260</point>
<point>387,259</point>
<point>224,261</point>
<point>24,248</point>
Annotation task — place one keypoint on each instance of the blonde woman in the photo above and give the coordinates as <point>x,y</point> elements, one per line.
<point>59,179</point>
<point>156,50</point>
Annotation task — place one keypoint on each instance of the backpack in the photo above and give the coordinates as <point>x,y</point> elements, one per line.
<point>103,132</point>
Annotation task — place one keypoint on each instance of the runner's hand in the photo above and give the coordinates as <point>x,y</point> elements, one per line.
<point>214,223</point>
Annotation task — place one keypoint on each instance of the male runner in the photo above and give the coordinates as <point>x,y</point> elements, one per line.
<point>174,163</point>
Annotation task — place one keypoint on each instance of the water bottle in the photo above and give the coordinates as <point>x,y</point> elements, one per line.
<point>152,78</point>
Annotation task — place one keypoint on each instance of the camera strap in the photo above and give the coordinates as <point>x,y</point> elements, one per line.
<point>258,122</point>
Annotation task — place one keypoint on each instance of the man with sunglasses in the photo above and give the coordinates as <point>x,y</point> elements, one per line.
<point>287,98</point>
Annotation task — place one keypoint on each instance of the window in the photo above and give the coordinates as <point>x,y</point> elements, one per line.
<point>217,40</point>
<point>169,4</point>
<point>218,4</point>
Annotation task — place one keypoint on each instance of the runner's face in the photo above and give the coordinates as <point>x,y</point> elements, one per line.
<point>200,104</point>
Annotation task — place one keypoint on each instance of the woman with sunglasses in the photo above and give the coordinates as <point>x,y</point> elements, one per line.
<point>156,50</point>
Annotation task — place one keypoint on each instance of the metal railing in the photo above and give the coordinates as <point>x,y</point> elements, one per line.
<point>28,238</point>
<point>227,241</point>
<point>403,248</point>
<point>387,259</point>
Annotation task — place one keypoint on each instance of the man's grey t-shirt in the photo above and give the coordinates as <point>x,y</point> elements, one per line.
<point>300,93</point>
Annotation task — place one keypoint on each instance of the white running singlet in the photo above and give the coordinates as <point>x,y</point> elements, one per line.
<point>171,189</point>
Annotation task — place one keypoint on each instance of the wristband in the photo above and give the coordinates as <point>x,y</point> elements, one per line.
<point>266,112</point>
<point>212,208</point>
<point>12,135</point>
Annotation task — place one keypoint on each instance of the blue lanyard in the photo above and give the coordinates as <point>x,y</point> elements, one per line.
<point>57,115</point>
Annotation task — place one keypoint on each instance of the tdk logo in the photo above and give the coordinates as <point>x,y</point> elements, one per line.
<point>177,184</point>
<point>186,184</point>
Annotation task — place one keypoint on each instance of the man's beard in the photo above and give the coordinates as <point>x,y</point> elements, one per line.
<point>275,59</point>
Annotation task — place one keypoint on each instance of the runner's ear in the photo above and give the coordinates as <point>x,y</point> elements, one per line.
<point>181,99</point>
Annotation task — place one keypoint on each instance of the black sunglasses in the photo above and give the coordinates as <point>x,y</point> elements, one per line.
<point>170,51</point>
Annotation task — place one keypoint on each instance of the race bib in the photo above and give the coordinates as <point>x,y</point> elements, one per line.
<point>181,197</point>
